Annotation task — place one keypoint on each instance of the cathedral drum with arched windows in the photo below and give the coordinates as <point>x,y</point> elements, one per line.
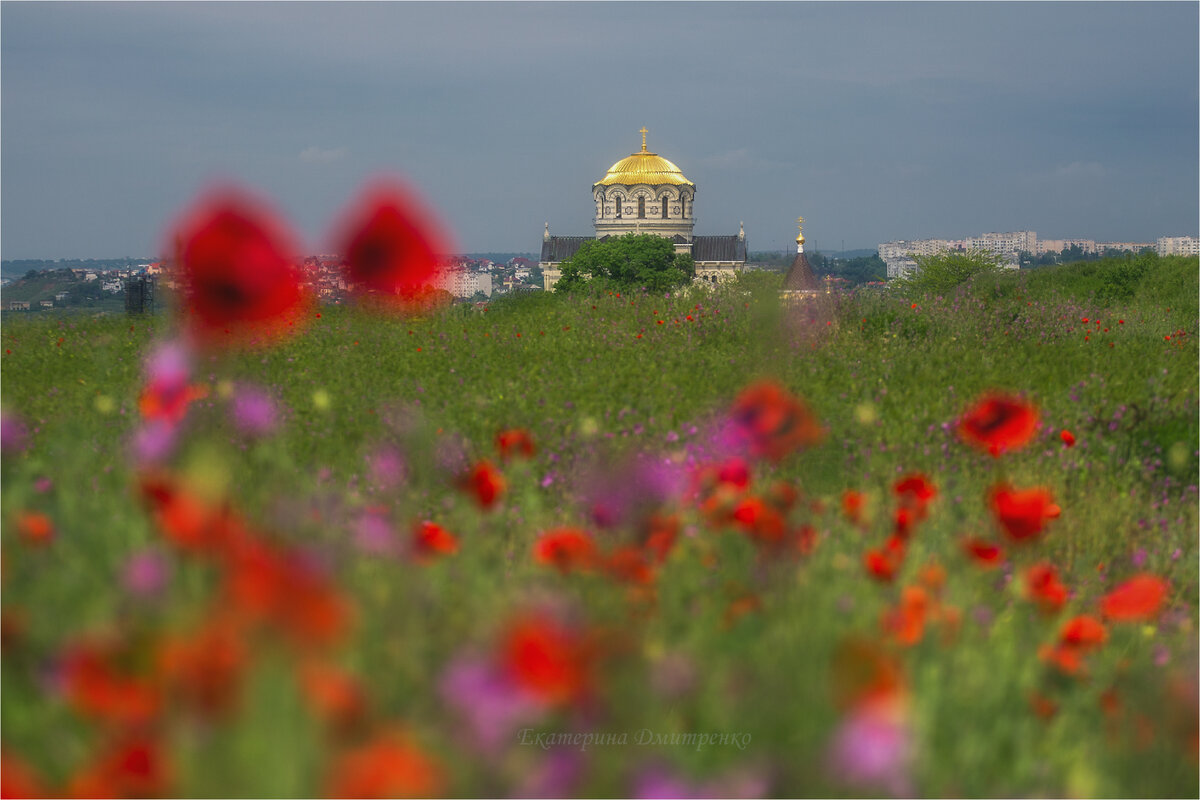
<point>646,193</point>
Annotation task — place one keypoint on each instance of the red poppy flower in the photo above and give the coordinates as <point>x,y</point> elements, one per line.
<point>759,521</point>
<point>335,695</point>
<point>999,423</point>
<point>983,553</point>
<point>882,563</point>
<point>515,442</point>
<point>431,540</point>
<point>915,491</point>
<point>134,766</point>
<point>204,669</point>
<point>1022,514</point>
<point>1084,632</point>
<point>1067,437</point>
<point>35,527</point>
<point>96,688</point>
<point>567,549</point>
<point>734,472</point>
<point>852,505</point>
<point>485,483</point>
<point>19,779</point>
<point>388,765</point>
<point>1138,598</point>
<point>235,262</point>
<point>547,658</point>
<point>629,565</point>
<point>1043,587</point>
<point>661,538</point>
<point>773,421</point>
<point>906,623</point>
<point>391,243</point>
<point>169,400</point>
<point>286,592</point>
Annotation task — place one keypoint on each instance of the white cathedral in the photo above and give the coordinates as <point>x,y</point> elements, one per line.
<point>646,193</point>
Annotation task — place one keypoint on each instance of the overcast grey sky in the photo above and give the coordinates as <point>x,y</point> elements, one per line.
<point>875,121</point>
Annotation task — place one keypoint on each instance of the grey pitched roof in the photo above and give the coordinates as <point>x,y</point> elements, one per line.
<point>718,248</point>
<point>800,276</point>
<point>560,248</point>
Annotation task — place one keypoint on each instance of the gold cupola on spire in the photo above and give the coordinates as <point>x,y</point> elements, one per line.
<point>800,234</point>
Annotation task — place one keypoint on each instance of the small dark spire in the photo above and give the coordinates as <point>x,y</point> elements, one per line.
<point>800,276</point>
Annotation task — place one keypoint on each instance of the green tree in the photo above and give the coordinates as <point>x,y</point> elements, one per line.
<point>632,261</point>
<point>942,272</point>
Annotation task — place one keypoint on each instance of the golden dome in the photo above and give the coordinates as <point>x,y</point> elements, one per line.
<point>644,167</point>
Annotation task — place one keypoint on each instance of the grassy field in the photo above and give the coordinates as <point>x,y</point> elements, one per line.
<point>253,606</point>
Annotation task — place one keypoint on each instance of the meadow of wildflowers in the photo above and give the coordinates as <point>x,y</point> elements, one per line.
<point>699,544</point>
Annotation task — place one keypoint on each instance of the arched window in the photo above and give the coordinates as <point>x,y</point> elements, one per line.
<point>641,206</point>
<point>663,200</point>
<point>683,204</point>
<point>618,199</point>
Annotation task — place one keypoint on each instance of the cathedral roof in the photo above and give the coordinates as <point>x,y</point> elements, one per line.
<point>718,248</point>
<point>644,167</point>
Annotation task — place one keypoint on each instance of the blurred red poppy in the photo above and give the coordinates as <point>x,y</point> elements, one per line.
<point>1084,632</point>
<point>567,549</point>
<point>1044,588</point>
<point>759,521</point>
<point>1023,513</point>
<point>134,766</point>
<point>431,540</point>
<point>515,442</point>
<point>999,423</point>
<point>334,695</point>
<point>388,765</point>
<point>663,531</point>
<point>1067,437</point>
<point>774,421</point>
<point>882,563</point>
<point>915,491</point>
<point>1138,598</point>
<point>97,688</point>
<point>547,658</point>
<point>35,527</point>
<point>18,778</point>
<point>234,259</point>
<point>983,553</point>
<point>629,565</point>
<point>281,589</point>
<point>390,243</point>
<point>852,505</point>
<point>204,669</point>
<point>485,483</point>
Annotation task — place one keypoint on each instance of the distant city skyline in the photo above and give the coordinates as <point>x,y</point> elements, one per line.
<point>875,121</point>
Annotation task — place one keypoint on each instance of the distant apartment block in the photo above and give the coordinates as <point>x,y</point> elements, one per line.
<point>1178,246</point>
<point>464,283</point>
<point>898,255</point>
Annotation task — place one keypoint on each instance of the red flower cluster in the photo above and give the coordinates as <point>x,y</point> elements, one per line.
<point>999,423</point>
<point>1022,513</point>
<point>773,421</point>
<point>390,244</point>
<point>235,261</point>
<point>515,442</point>
<point>1043,587</point>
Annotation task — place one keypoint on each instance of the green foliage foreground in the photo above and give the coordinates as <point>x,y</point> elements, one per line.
<point>732,642</point>
<point>641,262</point>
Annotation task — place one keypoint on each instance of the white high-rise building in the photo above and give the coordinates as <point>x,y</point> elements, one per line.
<point>1178,246</point>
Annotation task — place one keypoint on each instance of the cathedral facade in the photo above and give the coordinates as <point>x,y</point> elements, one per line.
<point>646,193</point>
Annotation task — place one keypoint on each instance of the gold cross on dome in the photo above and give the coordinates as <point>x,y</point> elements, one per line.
<point>643,132</point>
<point>800,223</point>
